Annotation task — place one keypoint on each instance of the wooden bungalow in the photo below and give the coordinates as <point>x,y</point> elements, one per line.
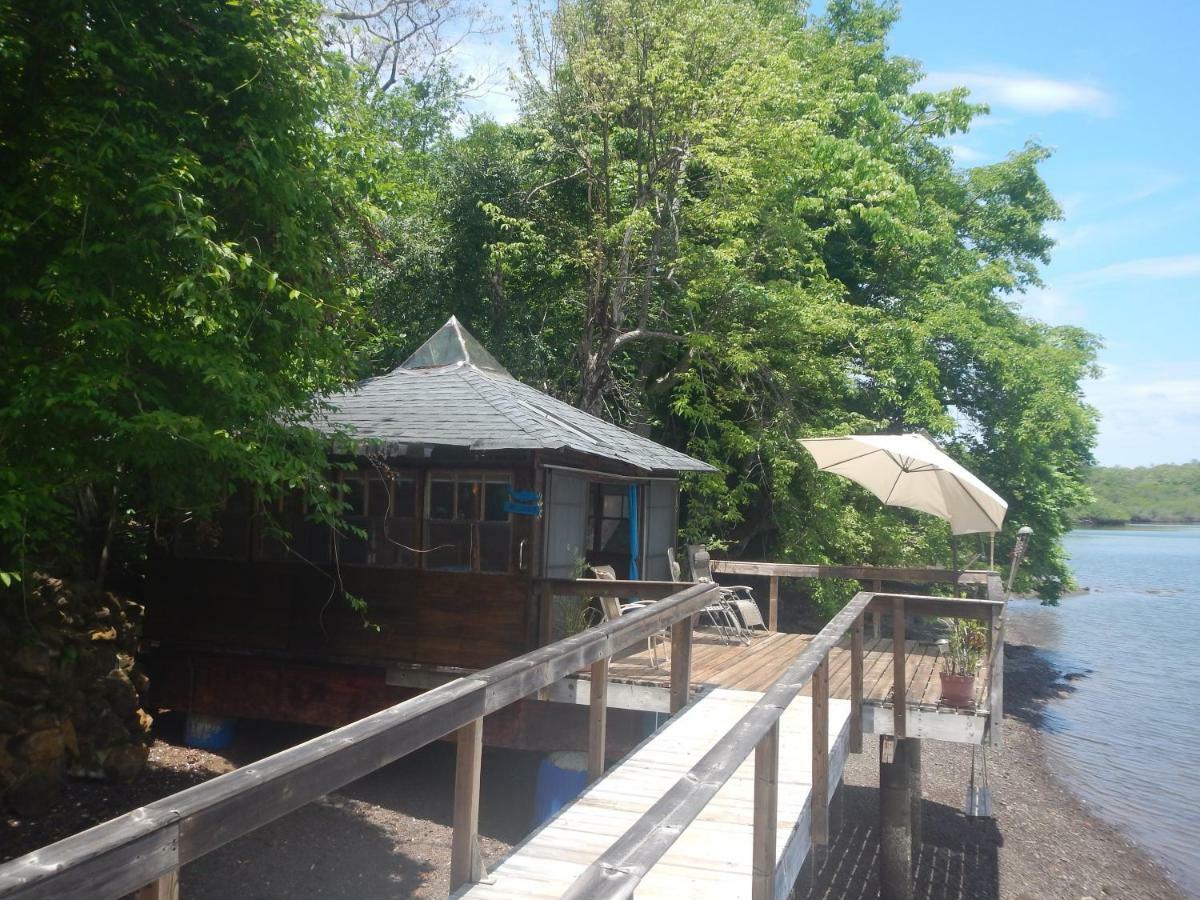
<point>470,486</point>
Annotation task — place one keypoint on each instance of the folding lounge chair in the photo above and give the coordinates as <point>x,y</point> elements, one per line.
<point>613,608</point>
<point>721,613</point>
<point>739,596</point>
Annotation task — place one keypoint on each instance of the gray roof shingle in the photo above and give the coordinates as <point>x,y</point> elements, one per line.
<point>450,400</point>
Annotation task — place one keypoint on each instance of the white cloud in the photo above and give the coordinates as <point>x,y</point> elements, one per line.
<point>1054,306</point>
<point>966,155</point>
<point>1157,268</point>
<point>1025,92</point>
<point>1148,415</point>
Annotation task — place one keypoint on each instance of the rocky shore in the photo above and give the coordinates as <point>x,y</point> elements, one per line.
<point>389,834</point>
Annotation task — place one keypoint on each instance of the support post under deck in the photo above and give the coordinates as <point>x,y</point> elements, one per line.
<point>895,825</point>
<point>912,754</point>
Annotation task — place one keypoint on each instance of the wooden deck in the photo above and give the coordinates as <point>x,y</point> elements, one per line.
<point>713,856</point>
<point>756,666</point>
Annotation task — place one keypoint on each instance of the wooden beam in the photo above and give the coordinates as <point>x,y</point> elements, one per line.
<point>626,590</point>
<point>598,720</point>
<point>165,888</point>
<point>773,605</point>
<point>948,607</point>
<point>856,686</point>
<point>995,699</point>
<point>681,663</point>
<point>895,810</point>
<point>466,866</point>
<point>916,818</point>
<point>766,814</point>
<point>877,616</point>
<point>899,670</point>
<point>910,575</point>
<point>819,803</point>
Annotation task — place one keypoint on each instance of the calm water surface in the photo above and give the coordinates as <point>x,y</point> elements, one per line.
<point>1127,740</point>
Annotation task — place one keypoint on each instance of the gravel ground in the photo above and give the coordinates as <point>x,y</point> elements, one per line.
<point>388,835</point>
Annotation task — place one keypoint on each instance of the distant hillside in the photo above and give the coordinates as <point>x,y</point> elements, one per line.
<point>1167,493</point>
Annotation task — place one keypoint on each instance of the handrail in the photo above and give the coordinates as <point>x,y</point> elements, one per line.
<point>616,873</point>
<point>150,843</point>
<point>911,575</point>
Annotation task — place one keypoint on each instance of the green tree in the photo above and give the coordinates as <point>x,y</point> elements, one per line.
<point>746,229</point>
<point>170,200</point>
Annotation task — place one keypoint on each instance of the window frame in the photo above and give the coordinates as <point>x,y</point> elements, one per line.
<point>483,477</point>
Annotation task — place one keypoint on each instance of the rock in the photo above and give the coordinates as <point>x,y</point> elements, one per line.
<point>10,720</point>
<point>41,720</point>
<point>41,746</point>
<point>31,660</point>
<point>120,692</point>
<point>125,762</point>
<point>25,691</point>
<point>70,738</point>
<point>145,720</point>
<point>35,792</point>
<point>104,634</point>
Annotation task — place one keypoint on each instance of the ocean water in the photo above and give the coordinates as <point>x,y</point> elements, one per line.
<point>1127,738</point>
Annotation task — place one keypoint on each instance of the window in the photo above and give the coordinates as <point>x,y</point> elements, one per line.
<point>384,507</point>
<point>224,533</point>
<point>467,527</point>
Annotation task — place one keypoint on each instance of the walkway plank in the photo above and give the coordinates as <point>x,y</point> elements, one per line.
<point>712,858</point>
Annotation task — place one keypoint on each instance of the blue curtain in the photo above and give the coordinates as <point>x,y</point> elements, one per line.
<point>633,532</point>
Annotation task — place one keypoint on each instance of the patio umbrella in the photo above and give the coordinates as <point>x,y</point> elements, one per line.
<point>909,470</point>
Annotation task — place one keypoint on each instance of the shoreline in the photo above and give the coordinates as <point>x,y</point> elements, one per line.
<point>389,833</point>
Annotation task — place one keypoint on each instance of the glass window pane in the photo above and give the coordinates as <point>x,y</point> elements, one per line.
<point>404,498</point>
<point>468,501</point>
<point>494,498</point>
<point>614,536</point>
<point>615,505</point>
<point>450,547</point>
<point>495,546</point>
<point>441,499</point>
<point>379,499</point>
<point>397,544</point>
<point>351,547</point>
<point>354,495</point>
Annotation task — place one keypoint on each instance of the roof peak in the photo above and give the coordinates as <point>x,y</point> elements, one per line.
<point>452,345</point>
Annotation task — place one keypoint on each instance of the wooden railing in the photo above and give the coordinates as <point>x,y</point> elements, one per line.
<point>619,869</point>
<point>143,850</point>
<point>873,576</point>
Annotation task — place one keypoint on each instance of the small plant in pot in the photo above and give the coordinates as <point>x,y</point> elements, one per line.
<point>966,644</point>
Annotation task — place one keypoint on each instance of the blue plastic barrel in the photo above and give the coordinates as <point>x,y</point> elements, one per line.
<point>560,779</point>
<point>208,732</point>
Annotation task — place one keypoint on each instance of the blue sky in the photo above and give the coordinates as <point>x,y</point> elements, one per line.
<point>1114,90</point>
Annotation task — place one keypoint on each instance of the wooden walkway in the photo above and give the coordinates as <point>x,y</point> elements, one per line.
<point>756,666</point>
<point>713,857</point>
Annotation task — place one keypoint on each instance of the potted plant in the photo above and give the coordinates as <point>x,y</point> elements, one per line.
<point>966,644</point>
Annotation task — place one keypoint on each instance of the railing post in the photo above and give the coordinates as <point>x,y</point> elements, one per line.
<point>773,605</point>
<point>165,888</point>
<point>877,616</point>
<point>545,614</point>
<point>466,865</point>
<point>899,671</point>
<point>766,814</point>
<point>856,685</point>
<point>681,662</point>
<point>820,755</point>
<point>598,719</point>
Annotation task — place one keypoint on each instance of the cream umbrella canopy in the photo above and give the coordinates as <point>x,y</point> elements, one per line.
<point>909,470</point>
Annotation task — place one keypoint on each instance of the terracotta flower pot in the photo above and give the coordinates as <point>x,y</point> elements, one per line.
<point>958,690</point>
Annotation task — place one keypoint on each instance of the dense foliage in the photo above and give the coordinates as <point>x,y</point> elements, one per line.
<point>715,220</point>
<point>1151,494</point>
<point>169,224</point>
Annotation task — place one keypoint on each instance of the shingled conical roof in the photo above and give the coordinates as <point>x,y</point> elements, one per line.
<point>453,393</point>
